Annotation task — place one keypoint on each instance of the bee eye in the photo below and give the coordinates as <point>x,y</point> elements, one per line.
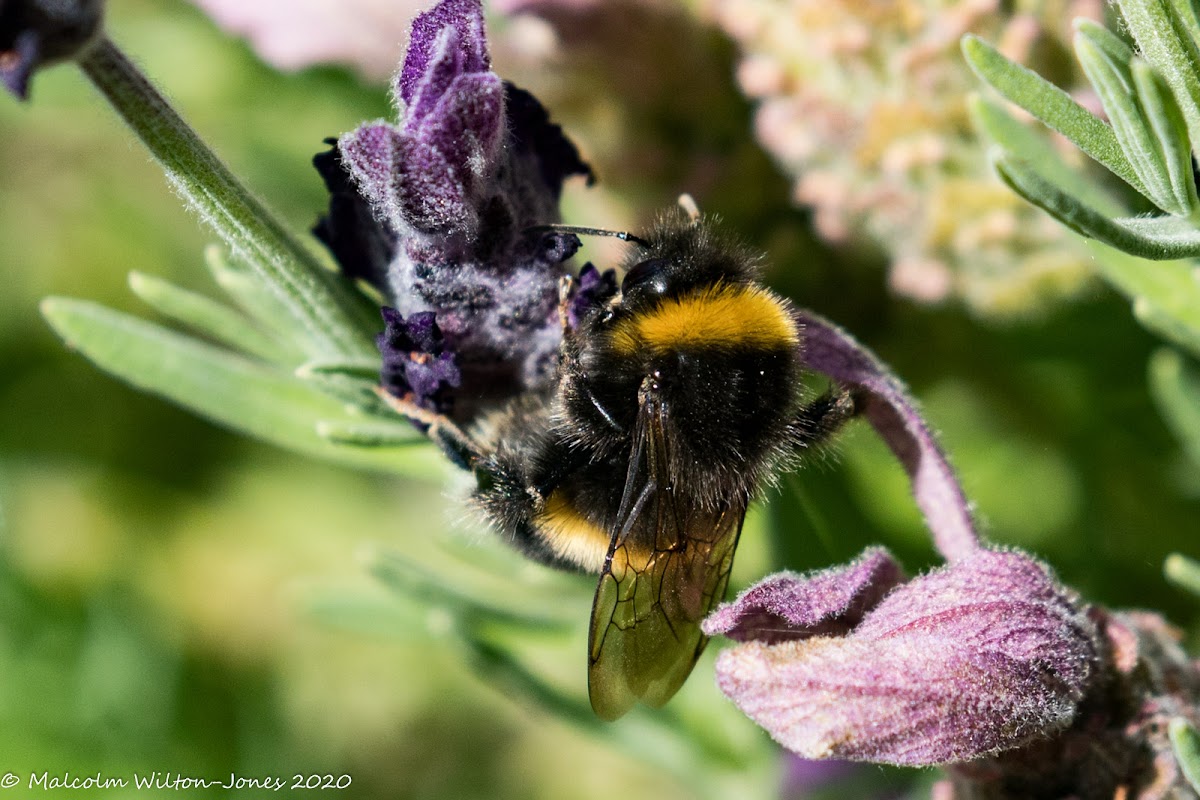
<point>649,276</point>
<point>606,316</point>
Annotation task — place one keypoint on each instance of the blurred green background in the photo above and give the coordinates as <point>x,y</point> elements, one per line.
<point>170,593</point>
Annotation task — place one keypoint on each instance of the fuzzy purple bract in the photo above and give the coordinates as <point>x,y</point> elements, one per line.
<point>982,656</point>
<point>436,212</point>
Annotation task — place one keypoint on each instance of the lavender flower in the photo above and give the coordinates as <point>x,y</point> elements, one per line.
<point>34,33</point>
<point>443,202</point>
<point>969,660</point>
<point>987,665</point>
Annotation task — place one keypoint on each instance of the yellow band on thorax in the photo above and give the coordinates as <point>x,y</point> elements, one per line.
<point>724,315</point>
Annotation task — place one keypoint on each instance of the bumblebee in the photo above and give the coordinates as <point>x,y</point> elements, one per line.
<point>676,399</point>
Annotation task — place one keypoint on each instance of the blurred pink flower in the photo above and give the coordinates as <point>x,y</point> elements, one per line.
<point>368,35</point>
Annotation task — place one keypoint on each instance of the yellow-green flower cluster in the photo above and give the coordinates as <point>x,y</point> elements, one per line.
<point>865,103</point>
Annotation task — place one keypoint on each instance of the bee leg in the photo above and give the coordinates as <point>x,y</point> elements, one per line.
<point>566,285</point>
<point>822,418</point>
<point>458,445</point>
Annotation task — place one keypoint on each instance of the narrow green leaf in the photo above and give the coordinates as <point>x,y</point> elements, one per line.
<point>1165,39</point>
<point>1112,45</point>
<point>412,580</point>
<point>1184,12</point>
<point>1156,238</point>
<point>1170,134</point>
<point>357,394</point>
<point>1020,140</point>
<point>1172,288</point>
<point>1186,744</point>
<point>1115,87</point>
<point>369,434</point>
<point>229,389</point>
<point>259,303</point>
<point>1176,388</point>
<point>366,370</point>
<point>1051,105</point>
<point>1160,321</point>
<point>1184,572</point>
<point>206,316</point>
<point>370,615</point>
<point>325,307</point>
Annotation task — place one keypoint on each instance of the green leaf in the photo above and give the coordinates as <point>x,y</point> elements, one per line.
<point>206,316</point>
<point>1155,238</point>
<point>1170,136</point>
<point>248,291</point>
<point>1176,388</point>
<point>329,315</point>
<point>1186,744</point>
<point>1183,572</point>
<point>1166,296</point>
<point>466,608</point>
<point>227,388</point>
<point>1164,33</point>
<point>1051,105</point>
<point>1117,90</point>
<point>1162,322</point>
<point>369,434</point>
<point>350,385</point>
<point>1020,140</point>
<point>365,370</point>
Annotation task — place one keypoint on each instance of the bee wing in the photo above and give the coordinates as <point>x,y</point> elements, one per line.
<point>667,566</point>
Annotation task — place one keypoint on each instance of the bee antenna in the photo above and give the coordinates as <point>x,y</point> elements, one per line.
<point>624,236</point>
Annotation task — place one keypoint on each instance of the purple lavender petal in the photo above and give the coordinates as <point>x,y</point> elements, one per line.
<point>591,291</point>
<point>416,364</point>
<point>425,196</point>
<point>787,606</point>
<point>464,16</point>
<point>369,153</point>
<point>445,65</point>
<point>361,245</point>
<point>979,657</point>
<point>467,128</point>
<point>893,412</point>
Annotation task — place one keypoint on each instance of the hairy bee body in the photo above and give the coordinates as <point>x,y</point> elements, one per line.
<point>675,400</point>
<point>718,351</point>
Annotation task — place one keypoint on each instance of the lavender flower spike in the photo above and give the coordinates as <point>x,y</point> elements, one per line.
<point>981,657</point>
<point>435,211</point>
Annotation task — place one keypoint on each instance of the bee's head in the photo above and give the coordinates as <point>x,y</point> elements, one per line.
<point>681,255</point>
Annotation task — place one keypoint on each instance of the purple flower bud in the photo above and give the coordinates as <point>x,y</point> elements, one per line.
<point>979,657</point>
<point>416,365</point>
<point>445,200</point>
<point>38,32</point>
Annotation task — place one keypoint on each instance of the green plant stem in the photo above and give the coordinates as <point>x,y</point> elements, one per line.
<point>332,318</point>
